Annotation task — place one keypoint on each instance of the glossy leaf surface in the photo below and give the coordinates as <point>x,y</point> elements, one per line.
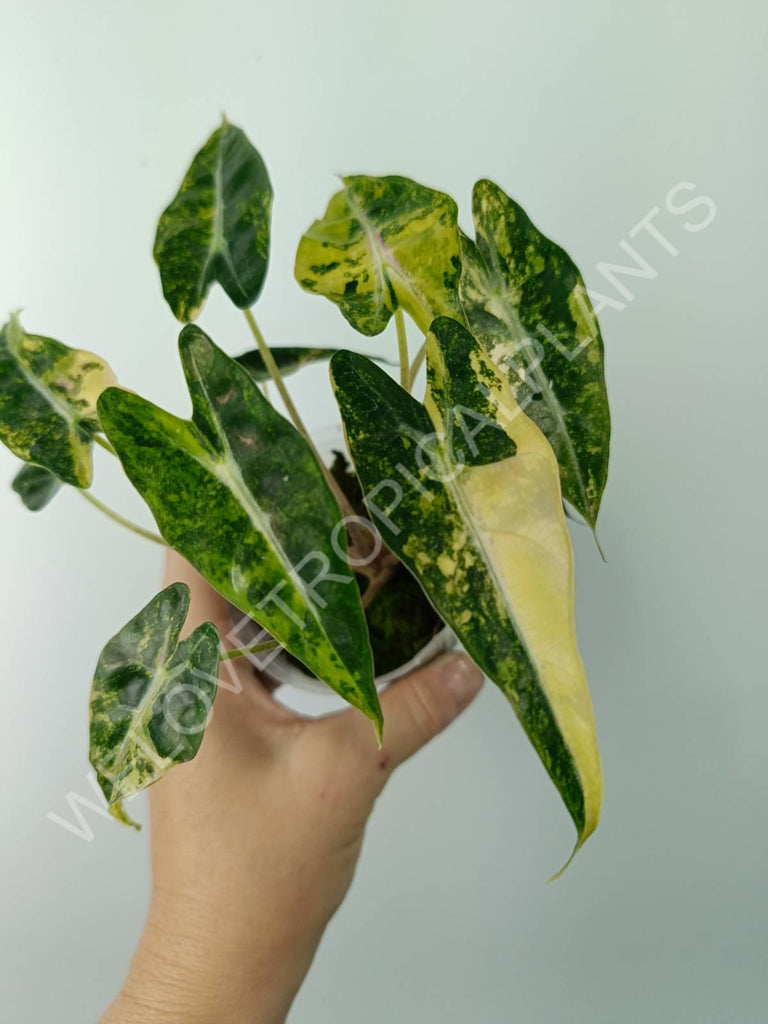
<point>465,490</point>
<point>48,395</point>
<point>217,226</point>
<point>526,303</point>
<point>36,487</point>
<point>384,243</point>
<point>238,492</point>
<point>151,697</point>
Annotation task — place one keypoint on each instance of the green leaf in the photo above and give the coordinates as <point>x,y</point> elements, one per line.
<point>35,486</point>
<point>48,396</point>
<point>288,360</point>
<point>526,303</point>
<point>384,243</point>
<point>238,492</point>
<point>217,226</point>
<point>151,697</point>
<point>465,491</point>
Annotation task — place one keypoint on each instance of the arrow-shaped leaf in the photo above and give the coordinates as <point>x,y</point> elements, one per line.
<point>217,226</point>
<point>526,303</point>
<point>238,492</point>
<point>465,490</point>
<point>384,243</point>
<point>35,486</point>
<point>48,396</point>
<point>151,697</point>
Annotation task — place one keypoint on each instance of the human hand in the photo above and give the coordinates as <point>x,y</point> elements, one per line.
<point>255,841</point>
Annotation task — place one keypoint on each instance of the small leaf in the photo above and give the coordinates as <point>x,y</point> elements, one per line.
<point>48,396</point>
<point>465,490</point>
<point>384,243</point>
<point>526,303</point>
<point>288,360</point>
<point>217,226</point>
<point>151,697</point>
<point>35,486</point>
<point>238,492</point>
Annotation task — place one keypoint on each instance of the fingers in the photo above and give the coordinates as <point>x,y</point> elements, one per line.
<point>419,706</point>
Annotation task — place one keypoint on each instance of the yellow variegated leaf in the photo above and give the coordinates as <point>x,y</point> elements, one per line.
<point>384,243</point>
<point>472,504</point>
<point>48,395</point>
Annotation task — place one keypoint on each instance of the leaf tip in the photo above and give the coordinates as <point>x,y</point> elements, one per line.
<point>598,544</point>
<point>120,814</point>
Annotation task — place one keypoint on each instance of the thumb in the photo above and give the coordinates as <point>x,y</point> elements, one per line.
<point>419,706</point>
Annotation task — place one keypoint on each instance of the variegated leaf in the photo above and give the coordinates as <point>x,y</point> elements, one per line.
<point>217,226</point>
<point>48,396</point>
<point>465,490</point>
<point>384,243</point>
<point>526,303</point>
<point>35,486</point>
<point>151,697</point>
<point>238,492</point>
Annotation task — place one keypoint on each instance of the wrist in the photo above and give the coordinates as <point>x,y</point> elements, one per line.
<point>201,967</point>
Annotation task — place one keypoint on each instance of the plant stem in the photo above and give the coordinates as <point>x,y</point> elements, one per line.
<point>241,652</point>
<point>274,373</point>
<point>402,348</point>
<point>277,378</point>
<point>133,527</point>
<point>104,444</point>
<point>416,365</point>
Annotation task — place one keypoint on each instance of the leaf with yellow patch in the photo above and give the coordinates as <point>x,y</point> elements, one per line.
<point>384,243</point>
<point>48,395</point>
<point>526,303</point>
<point>465,490</point>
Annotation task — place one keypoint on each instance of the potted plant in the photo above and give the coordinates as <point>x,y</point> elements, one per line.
<point>441,515</point>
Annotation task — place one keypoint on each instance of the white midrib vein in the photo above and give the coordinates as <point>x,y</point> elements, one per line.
<point>217,245</point>
<point>228,473</point>
<point>378,248</point>
<point>145,706</point>
<point>65,411</point>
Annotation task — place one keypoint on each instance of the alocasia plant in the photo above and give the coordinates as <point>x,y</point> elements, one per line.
<point>452,515</point>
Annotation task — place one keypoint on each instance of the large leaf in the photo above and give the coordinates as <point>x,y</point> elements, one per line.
<point>465,490</point>
<point>35,486</point>
<point>48,396</point>
<point>238,492</point>
<point>526,303</point>
<point>217,226</point>
<point>384,243</point>
<point>151,697</point>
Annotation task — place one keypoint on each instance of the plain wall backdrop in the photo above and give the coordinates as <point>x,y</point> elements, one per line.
<point>588,113</point>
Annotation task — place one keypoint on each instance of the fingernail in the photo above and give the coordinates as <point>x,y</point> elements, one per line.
<point>462,677</point>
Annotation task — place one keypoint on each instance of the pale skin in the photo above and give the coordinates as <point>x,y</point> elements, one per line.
<point>254,842</point>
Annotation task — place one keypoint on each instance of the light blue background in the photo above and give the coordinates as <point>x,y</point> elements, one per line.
<point>588,113</point>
